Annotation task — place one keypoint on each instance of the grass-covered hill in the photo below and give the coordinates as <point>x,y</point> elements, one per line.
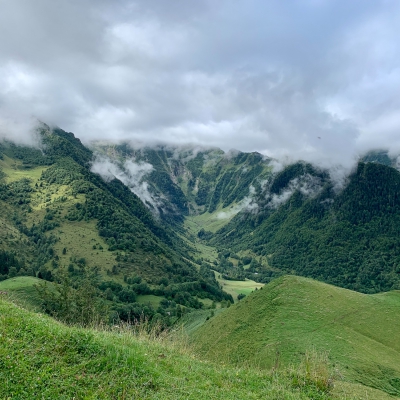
<point>290,316</point>
<point>22,290</point>
<point>41,358</point>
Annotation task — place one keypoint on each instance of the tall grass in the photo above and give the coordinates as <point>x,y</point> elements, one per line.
<point>42,358</point>
<point>314,370</point>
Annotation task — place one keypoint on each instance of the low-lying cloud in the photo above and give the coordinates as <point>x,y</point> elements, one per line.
<point>312,80</point>
<point>248,204</point>
<point>131,174</point>
<point>20,131</point>
<point>308,185</point>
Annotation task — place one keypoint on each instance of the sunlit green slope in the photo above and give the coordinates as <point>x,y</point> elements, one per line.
<point>277,325</point>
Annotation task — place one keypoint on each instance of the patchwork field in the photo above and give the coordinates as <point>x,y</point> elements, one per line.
<point>238,287</point>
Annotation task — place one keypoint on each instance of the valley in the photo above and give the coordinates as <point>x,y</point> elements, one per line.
<point>237,256</point>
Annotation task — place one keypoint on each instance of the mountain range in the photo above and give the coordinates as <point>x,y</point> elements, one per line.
<point>173,236</point>
<point>297,219</point>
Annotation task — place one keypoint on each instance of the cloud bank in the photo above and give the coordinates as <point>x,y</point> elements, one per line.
<point>248,204</point>
<point>315,80</point>
<point>308,185</point>
<point>131,174</point>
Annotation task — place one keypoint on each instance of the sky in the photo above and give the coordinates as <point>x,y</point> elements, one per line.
<point>316,80</point>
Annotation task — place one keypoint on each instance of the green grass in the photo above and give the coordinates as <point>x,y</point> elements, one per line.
<point>192,228</point>
<point>237,287</point>
<point>22,290</point>
<point>276,326</point>
<point>211,221</point>
<point>41,358</point>
<point>207,302</point>
<point>19,282</point>
<point>14,171</point>
<point>79,238</point>
<point>195,319</point>
<point>150,298</point>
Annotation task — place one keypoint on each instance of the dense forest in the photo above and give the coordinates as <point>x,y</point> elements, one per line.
<point>348,238</point>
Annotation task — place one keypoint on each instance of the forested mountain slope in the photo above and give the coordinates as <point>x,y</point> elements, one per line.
<point>265,223</point>
<point>348,237</point>
<point>134,213</point>
<point>189,180</point>
<point>57,213</point>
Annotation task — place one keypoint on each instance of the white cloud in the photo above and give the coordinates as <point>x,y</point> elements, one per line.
<point>130,174</point>
<point>247,204</point>
<point>314,80</point>
<point>308,185</point>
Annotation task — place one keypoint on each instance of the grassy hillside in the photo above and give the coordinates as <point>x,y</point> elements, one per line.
<point>277,325</point>
<point>22,290</point>
<point>54,203</point>
<point>40,357</point>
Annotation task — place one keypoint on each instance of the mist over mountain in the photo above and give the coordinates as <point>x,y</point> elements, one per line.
<point>210,150</point>
<point>314,82</point>
<point>164,232</point>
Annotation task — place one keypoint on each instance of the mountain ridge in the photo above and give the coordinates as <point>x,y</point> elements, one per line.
<point>292,221</point>
<point>61,216</point>
<point>209,211</point>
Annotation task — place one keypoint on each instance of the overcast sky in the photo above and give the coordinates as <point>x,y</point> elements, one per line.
<point>313,79</point>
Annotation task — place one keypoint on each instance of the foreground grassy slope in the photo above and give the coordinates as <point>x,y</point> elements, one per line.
<point>42,358</point>
<point>291,315</point>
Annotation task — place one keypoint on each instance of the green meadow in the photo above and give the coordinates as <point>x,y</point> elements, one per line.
<point>22,290</point>
<point>237,287</point>
<point>291,316</point>
<point>14,170</point>
<point>39,356</point>
<point>211,221</point>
